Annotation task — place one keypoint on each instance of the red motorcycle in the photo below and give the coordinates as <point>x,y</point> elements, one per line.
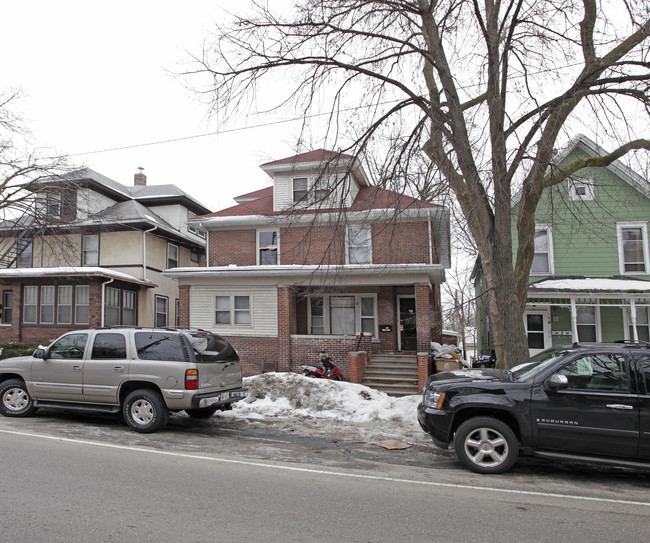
<point>328,371</point>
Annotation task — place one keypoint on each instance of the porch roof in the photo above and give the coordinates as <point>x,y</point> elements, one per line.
<point>373,274</point>
<point>72,271</point>
<point>591,285</point>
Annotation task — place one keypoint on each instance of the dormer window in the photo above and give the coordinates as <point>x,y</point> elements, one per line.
<point>53,204</point>
<point>300,189</point>
<point>321,189</point>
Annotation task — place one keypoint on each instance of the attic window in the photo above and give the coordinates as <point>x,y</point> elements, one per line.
<point>300,189</point>
<point>581,189</point>
<point>53,204</point>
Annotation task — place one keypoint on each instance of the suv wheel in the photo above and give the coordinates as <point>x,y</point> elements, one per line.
<point>202,413</point>
<point>15,401</point>
<point>145,411</point>
<point>486,445</point>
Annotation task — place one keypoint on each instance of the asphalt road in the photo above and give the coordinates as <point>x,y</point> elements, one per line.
<point>86,479</point>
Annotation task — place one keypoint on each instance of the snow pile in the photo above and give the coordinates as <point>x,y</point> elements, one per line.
<point>295,402</point>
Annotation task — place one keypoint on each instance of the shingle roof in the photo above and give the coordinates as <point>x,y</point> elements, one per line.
<point>319,155</point>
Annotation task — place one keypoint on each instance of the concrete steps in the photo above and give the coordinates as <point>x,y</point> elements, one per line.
<point>393,373</point>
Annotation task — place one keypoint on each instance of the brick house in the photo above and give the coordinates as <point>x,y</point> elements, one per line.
<point>320,261</point>
<point>92,254</point>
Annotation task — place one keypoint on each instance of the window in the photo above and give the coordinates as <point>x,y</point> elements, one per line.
<point>64,305</point>
<point>317,318</point>
<point>633,247</point>
<point>543,258</point>
<point>30,305</point>
<point>90,250</point>
<point>53,204</point>
<point>82,304</point>
<point>159,346</point>
<point>7,306</point>
<point>322,188</point>
<point>113,308</point>
<point>177,307</point>
<point>267,242</point>
<point>162,310</point>
<point>47,305</point>
<point>581,189</point>
<point>70,346</point>
<point>172,255</point>
<point>300,189</point>
<point>343,314</point>
<point>233,309</point>
<point>599,372</point>
<point>109,346</point>
<point>359,244</point>
<point>587,326</point>
<point>129,307</point>
<point>24,259</point>
<point>194,256</point>
<point>642,324</point>
<point>193,229</point>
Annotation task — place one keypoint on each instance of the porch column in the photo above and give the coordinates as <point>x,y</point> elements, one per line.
<point>184,306</point>
<point>635,332</point>
<point>423,316</point>
<point>286,319</point>
<point>574,321</point>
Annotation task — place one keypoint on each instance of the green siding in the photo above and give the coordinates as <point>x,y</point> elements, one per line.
<point>611,322</point>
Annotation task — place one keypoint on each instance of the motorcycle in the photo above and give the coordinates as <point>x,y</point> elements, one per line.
<point>328,371</point>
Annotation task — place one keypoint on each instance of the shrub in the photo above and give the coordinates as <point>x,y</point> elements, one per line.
<point>17,349</point>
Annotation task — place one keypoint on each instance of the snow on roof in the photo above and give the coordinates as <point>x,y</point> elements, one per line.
<point>72,270</point>
<point>591,284</point>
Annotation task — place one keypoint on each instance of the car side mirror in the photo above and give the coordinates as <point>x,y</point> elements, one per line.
<point>557,382</point>
<point>39,353</point>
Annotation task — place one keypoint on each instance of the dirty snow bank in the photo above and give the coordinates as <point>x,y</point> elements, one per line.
<point>296,403</point>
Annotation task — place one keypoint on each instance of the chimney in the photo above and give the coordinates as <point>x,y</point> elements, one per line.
<point>140,179</point>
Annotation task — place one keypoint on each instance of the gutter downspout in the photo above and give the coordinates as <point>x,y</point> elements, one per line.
<point>103,309</point>
<point>144,251</point>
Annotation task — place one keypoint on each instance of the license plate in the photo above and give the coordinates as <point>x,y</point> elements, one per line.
<point>225,396</point>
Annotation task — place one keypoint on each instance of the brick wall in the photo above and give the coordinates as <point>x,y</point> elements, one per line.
<point>423,316</point>
<point>233,247</point>
<point>312,245</point>
<point>387,315</point>
<point>400,243</point>
<point>184,306</point>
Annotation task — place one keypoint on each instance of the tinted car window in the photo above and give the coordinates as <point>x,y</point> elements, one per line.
<point>109,346</point>
<point>211,348</point>
<point>70,346</point>
<point>159,346</point>
<point>645,364</point>
<point>600,372</point>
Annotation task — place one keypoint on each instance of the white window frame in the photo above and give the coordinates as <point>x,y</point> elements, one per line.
<point>85,298</point>
<point>620,226</point>
<point>233,311</point>
<point>628,320</point>
<point>596,321</point>
<point>191,229</point>
<point>30,299</point>
<point>551,259</point>
<point>258,246</point>
<point>165,312</point>
<point>130,306</point>
<point>365,243</point>
<point>86,253</point>
<point>48,293</point>
<point>53,204</point>
<point>113,295</point>
<point>64,301</point>
<point>357,311</point>
<point>304,199</point>
<point>170,248</point>
<point>575,185</point>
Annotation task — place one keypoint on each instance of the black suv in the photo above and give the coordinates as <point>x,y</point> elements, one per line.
<point>578,402</point>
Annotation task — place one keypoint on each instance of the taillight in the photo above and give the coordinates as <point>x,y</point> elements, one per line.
<point>191,379</point>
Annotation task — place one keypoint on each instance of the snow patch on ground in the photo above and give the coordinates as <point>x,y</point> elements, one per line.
<point>325,408</point>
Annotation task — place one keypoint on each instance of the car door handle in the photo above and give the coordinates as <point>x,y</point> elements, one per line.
<point>76,368</point>
<point>118,369</point>
<point>619,406</point>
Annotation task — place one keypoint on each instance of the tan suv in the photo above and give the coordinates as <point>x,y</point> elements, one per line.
<point>143,372</point>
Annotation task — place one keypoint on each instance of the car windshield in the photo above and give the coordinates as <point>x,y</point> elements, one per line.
<point>529,369</point>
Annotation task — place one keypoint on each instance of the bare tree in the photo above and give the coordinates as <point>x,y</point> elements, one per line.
<point>486,90</point>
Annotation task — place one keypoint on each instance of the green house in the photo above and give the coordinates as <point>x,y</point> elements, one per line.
<point>590,277</point>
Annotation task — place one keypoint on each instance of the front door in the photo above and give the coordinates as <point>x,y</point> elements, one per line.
<point>538,329</point>
<point>408,338</point>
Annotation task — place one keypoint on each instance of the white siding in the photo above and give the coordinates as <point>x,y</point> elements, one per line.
<point>90,202</point>
<point>283,190</point>
<point>264,307</point>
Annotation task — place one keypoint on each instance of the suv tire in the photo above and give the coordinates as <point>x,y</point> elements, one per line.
<point>15,401</point>
<point>486,445</point>
<point>145,411</point>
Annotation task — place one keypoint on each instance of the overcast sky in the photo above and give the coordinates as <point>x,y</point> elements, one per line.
<point>95,76</point>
